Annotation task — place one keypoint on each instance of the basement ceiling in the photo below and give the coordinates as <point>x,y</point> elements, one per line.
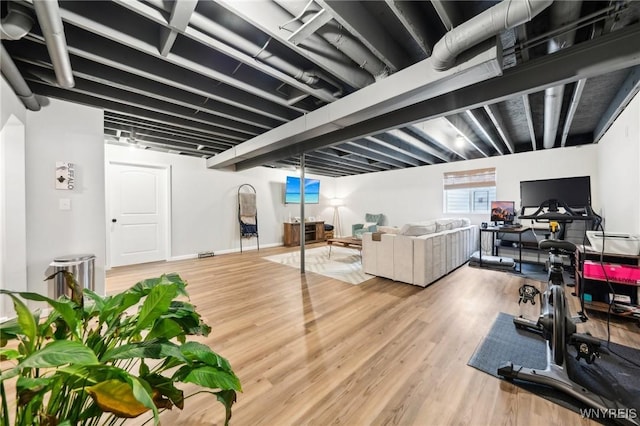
<point>216,78</point>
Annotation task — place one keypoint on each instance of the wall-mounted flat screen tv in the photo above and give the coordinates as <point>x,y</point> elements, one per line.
<point>574,191</point>
<point>292,190</point>
<point>503,211</point>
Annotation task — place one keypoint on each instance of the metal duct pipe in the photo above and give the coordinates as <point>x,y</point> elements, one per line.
<point>344,43</point>
<point>17,23</point>
<point>14,78</point>
<point>561,13</point>
<point>48,14</point>
<point>240,43</point>
<point>354,50</point>
<point>503,16</point>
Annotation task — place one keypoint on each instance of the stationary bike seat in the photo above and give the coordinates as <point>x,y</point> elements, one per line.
<point>557,244</point>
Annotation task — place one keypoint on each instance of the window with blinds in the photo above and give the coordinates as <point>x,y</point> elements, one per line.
<point>469,191</point>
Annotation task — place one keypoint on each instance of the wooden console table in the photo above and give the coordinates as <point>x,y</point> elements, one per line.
<point>313,233</point>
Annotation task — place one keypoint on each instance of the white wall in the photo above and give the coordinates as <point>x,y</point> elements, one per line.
<point>416,193</point>
<point>619,157</point>
<point>64,131</point>
<point>204,207</point>
<point>13,237</point>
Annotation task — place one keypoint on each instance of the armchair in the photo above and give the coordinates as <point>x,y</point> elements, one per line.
<point>371,222</point>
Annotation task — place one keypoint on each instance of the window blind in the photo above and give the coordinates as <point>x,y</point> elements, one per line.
<point>478,178</point>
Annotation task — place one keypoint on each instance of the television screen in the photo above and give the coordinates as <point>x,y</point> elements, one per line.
<point>574,191</point>
<point>292,190</point>
<point>503,211</point>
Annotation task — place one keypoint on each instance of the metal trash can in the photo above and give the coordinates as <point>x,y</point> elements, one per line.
<point>81,266</point>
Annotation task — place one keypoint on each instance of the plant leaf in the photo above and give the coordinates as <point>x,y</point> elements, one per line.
<point>115,305</point>
<point>60,352</point>
<point>117,397</point>
<point>26,321</point>
<point>56,353</point>
<point>156,349</point>
<point>156,303</point>
<point>65,307</point>
<point>228,398</point>
<point>166,387</point>
<point>9,329</point>
<point>143,394</point>
<point>166,328</point>
<point>200,352</point>
<point>209,377</point>
<point>28,387</point>
<point>7,354</point>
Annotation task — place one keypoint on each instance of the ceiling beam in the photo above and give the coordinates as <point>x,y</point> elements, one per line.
<point>311,26</point>
<point>212,70</point>
<point>366,151</point>
<point>448,13</point>
<point>494,116</point>
<point>608,53</point>
<point>409,86</point>
<point>269,18</point>
<point>527,113</point>
<point>178,21</point>
<point>461,133</point>
<point>573,107</point>
<point>627,91</point>
<point>418,130</point>
<point>359,22</point>
<point>375,145</point>
<point>409,14</point>
<point>482,130</point>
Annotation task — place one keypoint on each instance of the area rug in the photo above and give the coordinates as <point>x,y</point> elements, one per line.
<point>611,375</point>
<point>344,264</point>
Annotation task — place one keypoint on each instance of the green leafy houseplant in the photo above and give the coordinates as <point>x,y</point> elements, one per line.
<point>110,358</point>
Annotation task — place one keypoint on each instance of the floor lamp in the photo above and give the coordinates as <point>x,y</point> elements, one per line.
<point>336,203</point>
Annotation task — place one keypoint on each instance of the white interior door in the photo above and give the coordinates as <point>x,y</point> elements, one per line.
<point>139,214</point>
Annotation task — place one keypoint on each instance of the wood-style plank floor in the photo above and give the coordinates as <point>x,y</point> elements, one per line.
<point>313,350</point>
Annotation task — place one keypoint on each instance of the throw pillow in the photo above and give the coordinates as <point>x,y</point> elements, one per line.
<point>370,226</point>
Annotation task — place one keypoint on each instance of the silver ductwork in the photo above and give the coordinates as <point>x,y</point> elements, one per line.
<point>14,78</point>
<point>503,16</point>
<point>17,23</point>
<point>259,53</point>
<point>50,22</point>
<point>562,13</point>
<point>342,41</point>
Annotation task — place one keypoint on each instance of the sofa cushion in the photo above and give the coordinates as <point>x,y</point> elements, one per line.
<point>388,229</point>
<point>418,228</point>
<point>453,223</point>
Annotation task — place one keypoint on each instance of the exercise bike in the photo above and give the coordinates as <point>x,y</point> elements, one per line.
<point>556,324</point>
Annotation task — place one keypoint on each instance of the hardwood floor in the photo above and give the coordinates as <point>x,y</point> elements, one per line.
<point>313,350</point>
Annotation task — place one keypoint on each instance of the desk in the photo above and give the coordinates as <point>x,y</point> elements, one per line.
<point>498,230</point>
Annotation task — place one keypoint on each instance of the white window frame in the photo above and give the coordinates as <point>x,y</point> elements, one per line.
<point>469,183</point>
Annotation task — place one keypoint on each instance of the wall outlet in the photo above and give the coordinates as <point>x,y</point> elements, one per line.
<point>65,204</point>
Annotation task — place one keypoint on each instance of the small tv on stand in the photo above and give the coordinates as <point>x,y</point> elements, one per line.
<point>503,212</point>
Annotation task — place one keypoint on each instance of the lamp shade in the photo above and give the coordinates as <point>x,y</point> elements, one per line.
<point>336,202</point>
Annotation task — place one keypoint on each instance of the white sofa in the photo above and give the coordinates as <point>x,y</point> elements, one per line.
<point>419,253</point>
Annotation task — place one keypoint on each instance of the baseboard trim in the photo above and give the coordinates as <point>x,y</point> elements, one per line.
<point>225,251</point>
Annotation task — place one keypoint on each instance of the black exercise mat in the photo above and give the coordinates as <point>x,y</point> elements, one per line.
<point>505,343</point>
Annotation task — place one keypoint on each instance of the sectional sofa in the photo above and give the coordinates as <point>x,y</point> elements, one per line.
<point>419,253</point>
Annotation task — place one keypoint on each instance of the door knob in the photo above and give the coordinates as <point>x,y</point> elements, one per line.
<point>114,220</point>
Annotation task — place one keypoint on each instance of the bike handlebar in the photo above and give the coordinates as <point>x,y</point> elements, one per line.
<point>554,215</point>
